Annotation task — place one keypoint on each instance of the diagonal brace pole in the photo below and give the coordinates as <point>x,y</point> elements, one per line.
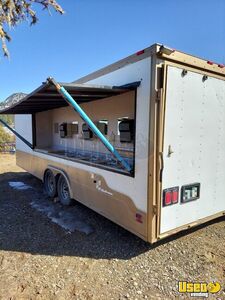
<point>17,134</point>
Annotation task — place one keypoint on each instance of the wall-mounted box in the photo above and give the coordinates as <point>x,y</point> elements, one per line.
<point>74,128</point>
<point>126,137</point>
<point>63,130</point>
<point>103,127</point>
<point>126,129</point>
<point>66,130</point>
<point>87,133</point>
<point>69,130</point>
<point>126,125</point>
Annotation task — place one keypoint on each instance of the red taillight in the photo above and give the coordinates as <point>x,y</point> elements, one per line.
<point>209,62</point>
<point>140,52</point>
<point>139,218</point>
<point>175,196</point>
<point>170,196</point>
<point>221,66</point>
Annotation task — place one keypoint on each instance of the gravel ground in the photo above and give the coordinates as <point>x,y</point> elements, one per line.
<point>40,259</point>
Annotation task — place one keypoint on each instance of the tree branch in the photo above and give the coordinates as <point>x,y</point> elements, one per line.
<point>13,12</point>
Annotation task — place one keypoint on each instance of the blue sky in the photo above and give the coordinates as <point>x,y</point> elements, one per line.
<point>95,33</point>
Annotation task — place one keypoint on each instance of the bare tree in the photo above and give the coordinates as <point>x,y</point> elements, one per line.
<point>13,12</point>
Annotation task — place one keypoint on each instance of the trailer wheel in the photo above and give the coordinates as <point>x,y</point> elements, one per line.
<point>63,191</point>
<point>50,184</point>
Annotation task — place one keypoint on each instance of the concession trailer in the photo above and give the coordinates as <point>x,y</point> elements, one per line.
<point>141,142</point>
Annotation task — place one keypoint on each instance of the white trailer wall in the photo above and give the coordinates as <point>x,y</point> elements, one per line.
<point>195,130</point>
<point>23,125</point>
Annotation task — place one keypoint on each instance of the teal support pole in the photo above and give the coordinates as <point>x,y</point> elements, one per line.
<point>90,123</point>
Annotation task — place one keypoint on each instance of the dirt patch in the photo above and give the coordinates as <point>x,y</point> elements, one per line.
<point>41,260</point>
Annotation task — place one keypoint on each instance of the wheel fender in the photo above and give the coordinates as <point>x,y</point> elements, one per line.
<point>57,171</point>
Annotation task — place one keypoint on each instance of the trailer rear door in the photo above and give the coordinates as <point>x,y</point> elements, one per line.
<point>193,179</point>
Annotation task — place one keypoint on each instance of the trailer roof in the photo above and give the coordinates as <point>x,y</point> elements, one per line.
<point>46,96</point>
<point>156,49</point>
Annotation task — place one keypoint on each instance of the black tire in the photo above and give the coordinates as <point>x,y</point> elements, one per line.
<point>63,191</point>
<point>50,186</point>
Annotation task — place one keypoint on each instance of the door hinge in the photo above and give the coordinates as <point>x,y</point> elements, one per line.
<point>159,77</point>
<point>161,166</point>
<point>158,95</point>
<point>154,209</point>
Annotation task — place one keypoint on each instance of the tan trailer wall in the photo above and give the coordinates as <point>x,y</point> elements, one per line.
<point>110,109</point>
<point>44,129</point>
